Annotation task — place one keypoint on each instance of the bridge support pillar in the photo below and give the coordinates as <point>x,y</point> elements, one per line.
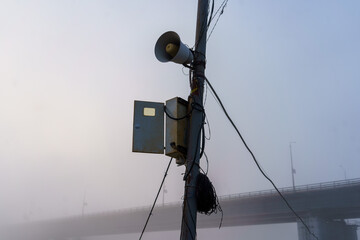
<point>326,229</point>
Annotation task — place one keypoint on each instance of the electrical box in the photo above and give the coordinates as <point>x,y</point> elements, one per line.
<point>176,130</point>
<point>148,128</point>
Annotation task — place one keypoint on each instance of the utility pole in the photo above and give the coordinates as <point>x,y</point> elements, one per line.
<point>188,225</point>
<point>292,166</point>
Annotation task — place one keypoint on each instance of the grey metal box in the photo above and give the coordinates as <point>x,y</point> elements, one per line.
<point>176,130</point>
<point>148,129</point>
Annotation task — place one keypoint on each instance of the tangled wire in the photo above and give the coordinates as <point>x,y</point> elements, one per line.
<point>206,198</point>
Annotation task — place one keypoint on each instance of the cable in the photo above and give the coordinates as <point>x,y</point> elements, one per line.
<point>208,124</point>
<point>197,107</point>
<point>205,97</point>
<point>211,13</point>
<point>223,5</point>
<point>212,16</point>
<point>174,118</point>
<point>183,71</point>
<point>256,162</point>
<point>207,164</point>
<point>202,140</point>
<point>152,208</point>
<point>188,171</point>
<point>190,77</point>
<point>203,27</point>
<point>203,30</point>
<point>217,11</point>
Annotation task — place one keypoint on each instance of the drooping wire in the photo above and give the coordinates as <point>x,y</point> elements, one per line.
<point>182,69</point>
<point>206,118</point>
<point>209,129</point>
<point>256,162</point>
<point>152,208</point>
<point>222,6</point>
<point>207,164</point>
<point>179,118</point>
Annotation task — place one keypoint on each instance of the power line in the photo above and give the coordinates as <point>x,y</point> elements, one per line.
<point>211,13</point>
<point>256,162</point>
<point>152,208</point>
<point>222,7</point>
<point>224,2</point>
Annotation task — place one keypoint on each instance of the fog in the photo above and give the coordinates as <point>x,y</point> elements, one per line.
<point>70,71</point>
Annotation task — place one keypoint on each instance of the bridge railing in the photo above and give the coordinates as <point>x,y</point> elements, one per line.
<point>300,188</point>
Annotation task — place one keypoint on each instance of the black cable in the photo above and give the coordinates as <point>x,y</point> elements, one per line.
<point>208,124</point>
<point>206,119</point>
<point>174,118</point>
<point>190,76</point>
<point>188,171</point>
<point>207,164</point>
<point>203,131</point>
<point>223,5</point>
<point>202,31</point>
<point>182,69</point>
<point>212,16</point>
<point>204,28</point>
<point>152,208</point>
<point>256,162</point>
<point>202,141</point>
<point>211,13</point>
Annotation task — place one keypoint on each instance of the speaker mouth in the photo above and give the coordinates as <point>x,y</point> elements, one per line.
<point>160,47</point>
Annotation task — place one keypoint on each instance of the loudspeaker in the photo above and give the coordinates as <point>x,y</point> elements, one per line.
<point>170,48</point>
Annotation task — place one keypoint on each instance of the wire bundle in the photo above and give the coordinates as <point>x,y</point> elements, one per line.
<point>206,199</point>
<point>205,195</point>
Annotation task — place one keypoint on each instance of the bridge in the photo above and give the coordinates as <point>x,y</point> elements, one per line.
<point>323,206</point>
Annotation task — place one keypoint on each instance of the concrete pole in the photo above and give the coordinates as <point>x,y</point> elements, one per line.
<point>188,225</point>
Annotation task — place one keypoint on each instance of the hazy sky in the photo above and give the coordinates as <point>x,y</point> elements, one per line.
<point>70,71</point>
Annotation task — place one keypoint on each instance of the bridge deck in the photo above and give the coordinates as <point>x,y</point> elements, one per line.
<point>333,200</point>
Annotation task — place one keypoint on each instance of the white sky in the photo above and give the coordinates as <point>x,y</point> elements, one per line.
<point>70,71</point>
